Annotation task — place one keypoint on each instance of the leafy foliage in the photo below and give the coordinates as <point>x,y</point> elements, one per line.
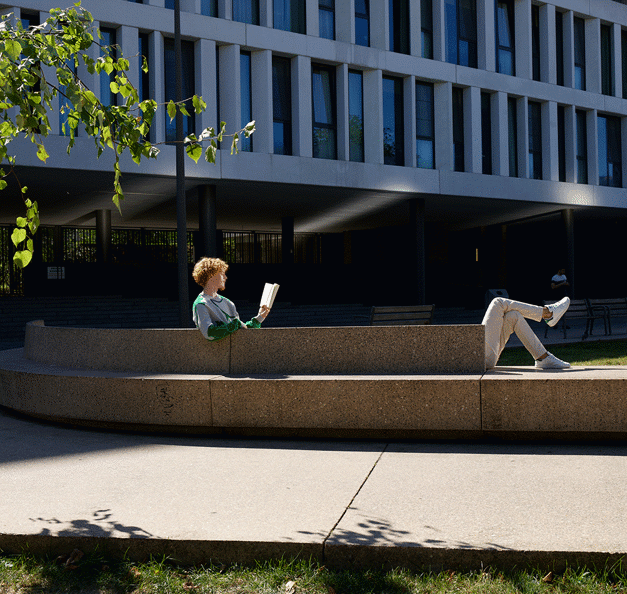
<point>59,46</point>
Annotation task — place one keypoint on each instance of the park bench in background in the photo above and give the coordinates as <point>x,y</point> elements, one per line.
<point>611,308</point>
<point>402,315</point>
<point>580,309</point>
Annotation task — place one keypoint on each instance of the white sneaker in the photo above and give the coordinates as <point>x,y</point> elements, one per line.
<point>558,310</point>
<point>551,362</point>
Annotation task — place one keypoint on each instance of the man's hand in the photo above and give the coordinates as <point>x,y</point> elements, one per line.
<point>264,310</point>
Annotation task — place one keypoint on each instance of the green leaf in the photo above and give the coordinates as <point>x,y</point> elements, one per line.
<point>210,153</point>
<point>42,155</point>
<point>171,110</point>
<point>194,151</point>
<point>18,236</point>
<point>21,222</point>
<point>13,49</point>
<point>3,184</point>
<point>22,258</point>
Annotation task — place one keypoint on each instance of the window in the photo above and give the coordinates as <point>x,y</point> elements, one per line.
<point>289,15</point>
<point>461,32</point>
<point>561,142</point>
<point>512,136</point>
<point>607,62</point>
<point>393,140</point>
<point>425,128</point>
<point>581,148</point>
<point>362,23</point>
<point>169,4</point>
<point>535,140</point>
<point>559,47</point>
<point>187,50</point>
<point>282,105</point>
<point>399,26</point>
<point>486,134</point>
<point>535,41</point>
<point>355,116</point>
<point>144,88</point>
<point>324,119</point>
<point>610,157</point>
<point>426,28</point>
<point>623,50</point>
<point>246,144</point>
<point>458,129</point>
<point>326,18</point>
<point>209,7</point>
<point>108,39</point>
<point>29,20</point>
<point>580,53</point>
<point>505,37</point>
<point>246,11</point>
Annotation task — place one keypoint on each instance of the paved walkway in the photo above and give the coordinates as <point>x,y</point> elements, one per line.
<point>347,503</point>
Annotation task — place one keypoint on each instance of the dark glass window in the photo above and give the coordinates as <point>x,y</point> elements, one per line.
<point>289,15</point>
<point>246,11</point>
<point>623,50</point>
<point>580,53</point>
<point>581,147</point>
<point>108,39</point>
<point>607,62</point>
<point>393,140</point>
<point>355,115</point>
<point>169,4</point>
<point>505,37</point>
<point>326,18</point>
<point>461,32</point>
<point>399,26</point>
<point>512,136</point>
<point>610,153</point>
<point>324,118</point>
<point>282,105</point>
<point>209,7</point>
<point>535,140</point>
<point>426,28</point>
<point>29,19</point>
<point>246,144</point>
<point>362,23</point>
<point>187,49</point>
<point>425,126</point>
<point>559,47</point>
<point>486,134</point>
<point>561,142</point>
<point>458,129</point>
<point>144,52</point>
<point>535,41</point>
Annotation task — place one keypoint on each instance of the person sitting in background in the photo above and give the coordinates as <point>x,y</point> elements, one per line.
<point>559,284</point>
<point>215,316</point>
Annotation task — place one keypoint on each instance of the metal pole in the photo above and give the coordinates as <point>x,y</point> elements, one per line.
<point>181,207</point>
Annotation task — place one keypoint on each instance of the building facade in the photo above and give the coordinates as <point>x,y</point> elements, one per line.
<point>428,149</point>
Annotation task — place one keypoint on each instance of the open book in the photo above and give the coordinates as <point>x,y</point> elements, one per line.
<point>269,293</point>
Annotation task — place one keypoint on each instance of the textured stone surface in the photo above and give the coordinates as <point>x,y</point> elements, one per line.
<point>576,400</point>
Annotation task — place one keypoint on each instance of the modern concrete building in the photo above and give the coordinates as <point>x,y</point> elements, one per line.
<point>431,149</point>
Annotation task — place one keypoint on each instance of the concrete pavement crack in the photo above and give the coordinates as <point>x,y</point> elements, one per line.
<point>350,503</point>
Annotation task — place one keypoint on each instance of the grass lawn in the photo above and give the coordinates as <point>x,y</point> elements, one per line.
<point>95,575</point>
<point>610,352</point>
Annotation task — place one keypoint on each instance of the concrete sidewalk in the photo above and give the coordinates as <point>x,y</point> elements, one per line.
<point>345,503</point>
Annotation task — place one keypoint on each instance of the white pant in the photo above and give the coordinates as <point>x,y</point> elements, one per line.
<point>505,316</point>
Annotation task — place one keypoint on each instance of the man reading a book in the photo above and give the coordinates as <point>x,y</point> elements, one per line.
<point>215,316</point>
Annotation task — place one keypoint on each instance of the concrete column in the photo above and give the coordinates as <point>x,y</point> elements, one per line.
<point>345,21</point>
<point>500,134</point>
<point>415,32</point>
<point>103,236</point>
<point>568,218</point>
<point>522,37</point>
<point>343,143</point>
<point>205,62</point>
<point>569,48</point>
<point>302,118</point>
<point>417,223</point>
<point>409,116</point>
<point>486,38</point>
<point>287,240</point>
<point>128,40</point>
<point>593,55</point>
<point>312,20</point>
<point>472,130</point>
<point>439,31</point>
<point>550,149</point>
<point>593,147</point>
<point>230,97</point>
<point>207,221</point>
<point>548,69</point>
<point>570,141</point>
<point>522,116</point>
<point>266,13</point>
<point>623,140</point>
<point>157,84</point>
<point>262,111</point>
<point>373,116</point>
<point>225,9</point>
<point>379,29</point>
<point>617,59</point>
<point>443,107</point>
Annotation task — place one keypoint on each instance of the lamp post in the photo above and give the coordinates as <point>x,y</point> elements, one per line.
<point>181,206</point>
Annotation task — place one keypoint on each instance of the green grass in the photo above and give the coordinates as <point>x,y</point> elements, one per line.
<point>95,575</point>
<point>611,352</point>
